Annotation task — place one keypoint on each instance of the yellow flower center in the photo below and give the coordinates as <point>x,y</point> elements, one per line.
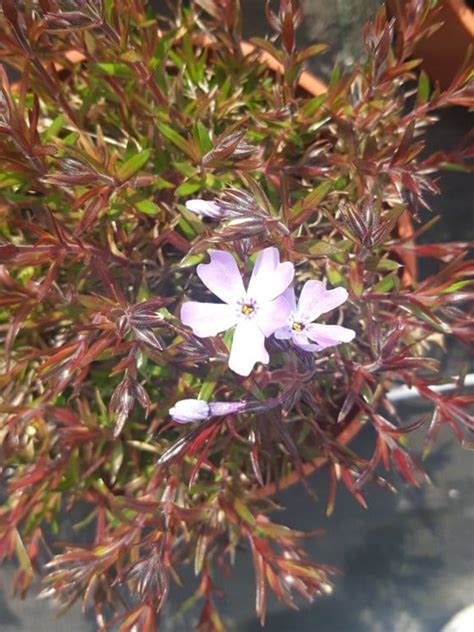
<point>297,327</point>
<point>247,309</point>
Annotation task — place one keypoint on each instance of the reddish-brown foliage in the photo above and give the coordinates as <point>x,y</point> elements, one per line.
<point>117,119</point>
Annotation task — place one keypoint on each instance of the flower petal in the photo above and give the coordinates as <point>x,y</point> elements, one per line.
<point>270,278</point>
<point>315,300</point>
<point>302,342</point>
<point>208,319</point>
<point>290,297</point>
<point>187,411</point>
<point>205,208</point>
<point>248,347</point>
<point>222,276</point>
<point>328,335</point>
<point>284,333</point>
<point>273,315</point>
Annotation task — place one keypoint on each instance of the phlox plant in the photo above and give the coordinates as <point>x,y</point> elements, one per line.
<point>208,284</point>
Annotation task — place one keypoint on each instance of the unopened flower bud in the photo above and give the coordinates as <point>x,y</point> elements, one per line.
<point>219,409</point>
<point>187,411</point>
<point>205,208</point>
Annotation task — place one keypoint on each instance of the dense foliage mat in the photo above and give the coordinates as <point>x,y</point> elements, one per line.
<point>110,121</point>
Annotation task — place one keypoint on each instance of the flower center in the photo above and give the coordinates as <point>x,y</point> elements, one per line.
<point>247,309</point>
<point>297,327</point>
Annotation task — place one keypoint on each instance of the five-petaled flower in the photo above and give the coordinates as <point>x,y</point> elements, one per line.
<point>256,312</point>
<point>314,300</point>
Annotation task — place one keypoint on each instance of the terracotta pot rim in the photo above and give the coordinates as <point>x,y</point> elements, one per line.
<point>444,52</point>
<point>307,80</point>
<point>463,13</point>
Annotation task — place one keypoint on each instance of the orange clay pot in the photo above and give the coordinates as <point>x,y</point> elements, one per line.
<point>446,50</point>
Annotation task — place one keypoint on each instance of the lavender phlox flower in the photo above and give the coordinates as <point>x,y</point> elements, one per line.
<point>206,208</point>
<point>256,312</point>
<point>314,300</point>
<point>187,411</point>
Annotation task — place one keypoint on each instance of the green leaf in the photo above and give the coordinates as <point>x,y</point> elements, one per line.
<point>207,389</point>
<point>71,478</point>
<point>202,138</point>
<point>455,287</point>
<point>161,183</point>
<point>314,105</point>
<point>22,555</point>
<point>133,164</point>
<point>334,276</point>
<point>429,317</point>
<point>388,283</point>
<point>388,265</point>
<point>243,511</point>
<point>116,460</point>
<point>318,194</point>
<point>310,202</point>
<point>147,207</point>
<point>186,169</point>
<point>186,147</point>
<point>335,76</point>
<point>54,128</point>
<point>208,386</point>
<point>317,248</point>
<point>267,46</point>
<point>116,70</point>
<point>423,92</point>
<point>201,549</point>
<point>131,56</point>
<point>191,260</point>
<point>299,569</point>
<point>453,166</point>
<point>187,188</point>
<point>311,51</point>
<point>144,447</point>
<point>341,183</point>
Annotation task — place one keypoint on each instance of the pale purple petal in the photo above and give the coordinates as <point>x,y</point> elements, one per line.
<point>205,208</point>
<point>188,410</point>
<point>290,297</point>
<point>328,335</point>
<point>222,276</point>
<point>315,300</point>
<point>208,319</point>
<point>302,342</point>
<point>273,315</point>
<point>270,278</point>
<point>248,347</point>
<point>284,333</point>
